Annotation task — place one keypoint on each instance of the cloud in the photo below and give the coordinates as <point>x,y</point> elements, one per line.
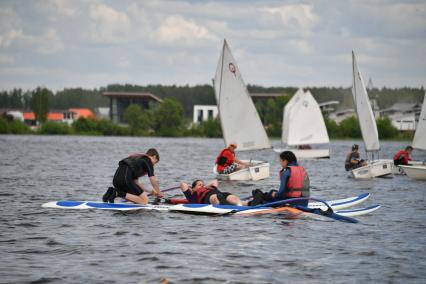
<point>295,18</point>
<point>177,29</point>
<point>108,25</point>
<point>10,27</point>
<point>56,9</point>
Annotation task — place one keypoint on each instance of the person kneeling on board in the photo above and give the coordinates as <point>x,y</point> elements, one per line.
<point>403,157</point>
<point>353,160</point>
<point>227,162</point>
<point>126,177</point>
<point>209,194</point>
<point>294,183</point>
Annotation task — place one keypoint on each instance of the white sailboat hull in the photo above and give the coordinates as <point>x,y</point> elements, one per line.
<point>308,154</point>
<point>259,170</point>
<point>398,170</point>
<point>416,172</point>
<point>375,168</point>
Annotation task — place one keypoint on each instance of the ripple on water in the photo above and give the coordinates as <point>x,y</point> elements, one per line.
<point>82,246</point>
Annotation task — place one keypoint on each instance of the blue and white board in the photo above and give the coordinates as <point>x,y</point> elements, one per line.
<point>208,209</point>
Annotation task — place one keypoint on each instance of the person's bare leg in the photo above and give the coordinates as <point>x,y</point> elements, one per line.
<point>214,200</point>
<point>138,199</point>
<point>235,200</point>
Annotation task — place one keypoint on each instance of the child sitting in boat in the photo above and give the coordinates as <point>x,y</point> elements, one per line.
<point>209,194</point>
<point>403,157</point>
<point>353,160</point>
<point>226,162</point>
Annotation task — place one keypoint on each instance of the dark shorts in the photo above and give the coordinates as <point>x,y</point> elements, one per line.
<point>123,181</point>
<point>220,195</point>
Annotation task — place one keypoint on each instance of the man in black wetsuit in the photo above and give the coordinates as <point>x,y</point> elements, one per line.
<point>126,177</point>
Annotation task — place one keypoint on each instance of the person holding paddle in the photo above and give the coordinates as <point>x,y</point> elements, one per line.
<point>294,183</point>
<point>126,177</point>
<point>209,194</point>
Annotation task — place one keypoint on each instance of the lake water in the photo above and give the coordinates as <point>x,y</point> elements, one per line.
<point>40,245</point>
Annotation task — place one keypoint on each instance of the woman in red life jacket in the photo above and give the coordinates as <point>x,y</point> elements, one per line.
<point>226,162</point>
<point>294,183</point>
<point>403,157</point>
<point>209,194</point>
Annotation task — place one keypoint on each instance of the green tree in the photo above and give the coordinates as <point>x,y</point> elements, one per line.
<point>55,128</point>
<point>139,121</point>
<point>349,127</point>
<point>208,128</point>
<point>40,103</point>
<point>168,118</point>
<point>333,128</point>
<point>4,126</point>
<point>386,129</point>
<point>86,126</point>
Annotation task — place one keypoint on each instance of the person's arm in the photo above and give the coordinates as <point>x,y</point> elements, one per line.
<point>213,183</point>
<point>242,163</point>
<point>283,186</point>
<point>156,188</point>
<point>190,196</point>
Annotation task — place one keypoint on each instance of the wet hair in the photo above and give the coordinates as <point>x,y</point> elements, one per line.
<point>289,156</point>
<point>153,153</point>
<point>355,147</point>
<point>194,183</point>
<point>408,148</point>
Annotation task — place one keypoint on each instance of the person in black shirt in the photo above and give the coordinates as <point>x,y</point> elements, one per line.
<point>125,181</point>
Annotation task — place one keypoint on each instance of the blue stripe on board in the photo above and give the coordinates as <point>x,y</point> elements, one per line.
<point>69,203</point>
<point>193,205</point>
<point>112,205</point>
<point>359,197</point>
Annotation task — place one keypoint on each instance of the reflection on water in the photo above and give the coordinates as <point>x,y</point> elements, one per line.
<point>57,246</point>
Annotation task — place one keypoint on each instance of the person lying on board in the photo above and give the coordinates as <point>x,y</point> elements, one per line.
<point>209,194</point>
<point>353,160</point>
<point>403,157</point>
<point>294,183</point>
<point>125,181</point>
<point>226,162</point>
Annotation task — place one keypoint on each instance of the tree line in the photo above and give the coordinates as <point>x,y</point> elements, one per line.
<point>173,117</point>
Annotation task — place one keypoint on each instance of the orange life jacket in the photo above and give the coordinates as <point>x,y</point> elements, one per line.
<point>298,183</point>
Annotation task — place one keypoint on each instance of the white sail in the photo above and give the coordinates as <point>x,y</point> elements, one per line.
<point>419,141</point>
<point>286,115</point>
<point>306,124</point>
<point>238,116</point>
<point>363,109</point>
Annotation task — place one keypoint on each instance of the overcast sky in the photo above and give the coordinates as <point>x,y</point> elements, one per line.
<point>59,43</point>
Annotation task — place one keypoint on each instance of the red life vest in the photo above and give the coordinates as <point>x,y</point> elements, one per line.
<point>402,155</point>
<point>201,193</point>
<point>223,160</point>
<point>295,184</point>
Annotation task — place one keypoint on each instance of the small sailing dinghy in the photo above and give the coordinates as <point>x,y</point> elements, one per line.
<point>303,127</point>
<point>417,170</point>
<point>239,119</point>
<point>375,167</point>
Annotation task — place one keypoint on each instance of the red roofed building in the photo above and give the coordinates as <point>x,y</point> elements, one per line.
<point>68,116</point>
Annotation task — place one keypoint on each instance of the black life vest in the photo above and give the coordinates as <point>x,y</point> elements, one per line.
<point>134,163</point>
